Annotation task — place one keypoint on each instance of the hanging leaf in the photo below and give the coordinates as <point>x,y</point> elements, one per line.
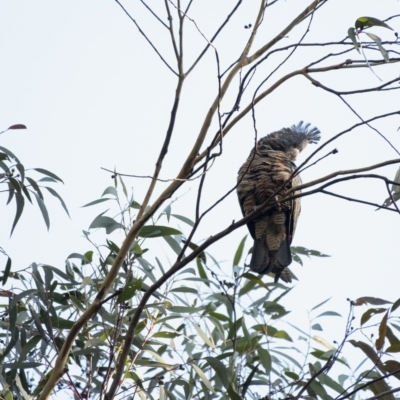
<point>44,211</point>
<point>378,42</point>
<point>7,271</point>
<point>219,369</point>
<point>364,22</point>
<point>202,334</point>
<point>55,194</point>
<point>265,359</point>
<point>352,35</point>
<point>206,382</point>
<point>20,206</point>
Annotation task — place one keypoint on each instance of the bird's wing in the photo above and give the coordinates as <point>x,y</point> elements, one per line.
<point>295,209</point>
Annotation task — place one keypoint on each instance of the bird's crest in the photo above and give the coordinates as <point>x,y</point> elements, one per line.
<point>312,134</point>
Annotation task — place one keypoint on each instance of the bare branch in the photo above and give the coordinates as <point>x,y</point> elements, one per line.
<point>214,36</point>
<point>147,39</point>
<point>356,200</point>
<point>344,132</point>
<point>154,14</point>
<point>171,30</point>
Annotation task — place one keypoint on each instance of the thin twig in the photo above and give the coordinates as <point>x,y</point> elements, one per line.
<point>146,37</point>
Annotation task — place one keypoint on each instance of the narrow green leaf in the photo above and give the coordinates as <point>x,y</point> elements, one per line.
<point>15,184</point>
<point>28,347</point>
<point>35,186</point>
<point>239,252</point>
<point>367,349</point>
<point>320,304</point>
<point>382,332</point>
<point>42,384</point>
<point>265,359</point>
<point>21,171</point>
<point>48,173</point>
<point>92,203</point>
<point>202,271</point>
<point>7,270</point>
<point>396,305</point>
<point>183,219</point>
<point>393,339</point>
<point>245,331</point>
<point>44,211</point>
<point>194,246</point>
<point>151,231</point>
<point>166,335</point>
<point>364,22</point>
<point>202,334</point>
<point>352,35</point>
<point>206,382</point>
<point>26,193</point>
<point>28,365</point>
<point>123,186</point>
<point>11,193</point>
<point>11,344</point>
<point>173,244</point>
<point>55,194</point>
<point>378,42</point>
<point>185,289</point>
<point>20,296</point>
<point>219,369</point>
<point>9,153</point>
<point>20,206</point>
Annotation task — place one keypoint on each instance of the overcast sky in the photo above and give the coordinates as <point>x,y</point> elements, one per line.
<point>94,94</point>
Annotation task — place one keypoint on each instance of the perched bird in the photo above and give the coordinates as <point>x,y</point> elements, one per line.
<point>267,174</point>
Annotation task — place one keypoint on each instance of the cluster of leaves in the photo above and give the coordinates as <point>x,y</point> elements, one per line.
<point>19,186</point>
<point>204,335</point>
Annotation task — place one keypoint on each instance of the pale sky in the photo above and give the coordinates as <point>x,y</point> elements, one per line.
<point>93,94</point>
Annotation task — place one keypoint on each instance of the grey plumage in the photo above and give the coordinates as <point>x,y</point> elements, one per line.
<point>268,167</point>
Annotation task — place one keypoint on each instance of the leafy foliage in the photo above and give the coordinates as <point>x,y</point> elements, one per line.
<point>204,335</point>
<point>18,187</point>
<point>21,187</point>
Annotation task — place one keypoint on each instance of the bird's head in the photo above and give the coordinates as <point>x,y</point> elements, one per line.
<point>292,140</point>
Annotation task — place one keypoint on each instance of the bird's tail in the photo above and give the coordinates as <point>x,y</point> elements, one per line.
<point>260,257</point>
